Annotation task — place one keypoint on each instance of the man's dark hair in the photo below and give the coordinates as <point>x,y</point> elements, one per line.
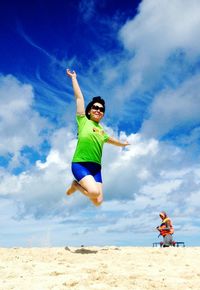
<point>97,99</point>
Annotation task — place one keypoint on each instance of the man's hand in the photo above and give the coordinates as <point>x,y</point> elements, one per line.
<point>126,143</point>
<point>71,74</point>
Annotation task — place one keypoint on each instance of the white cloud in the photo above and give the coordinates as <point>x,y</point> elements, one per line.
<point>138,182</point>
<point>40,191</point>
<point>173,108</point>
<point>21,125</point>
<point>161,188</point>
<point>161,48</point>
<point>160,28</point>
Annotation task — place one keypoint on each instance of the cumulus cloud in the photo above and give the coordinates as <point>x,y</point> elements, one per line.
<point>140,181</point>
<point>41,190</point>
<point>21,125</point>
<point>174,108</point>
<point>160,51</point>
<point>139,173</point>
<point>161,28</point>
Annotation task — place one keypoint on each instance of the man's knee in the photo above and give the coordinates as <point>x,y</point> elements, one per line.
<point>94,192</point>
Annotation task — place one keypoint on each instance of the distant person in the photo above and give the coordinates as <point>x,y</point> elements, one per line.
<point>166,229</point>
<point>86,162</point>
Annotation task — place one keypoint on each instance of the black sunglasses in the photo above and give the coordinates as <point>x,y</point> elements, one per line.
<point>101,109</point>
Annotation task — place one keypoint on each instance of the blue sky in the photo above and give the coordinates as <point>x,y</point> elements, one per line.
<point>143,58</point>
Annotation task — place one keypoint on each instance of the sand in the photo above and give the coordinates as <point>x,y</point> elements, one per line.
<point>104,268</point>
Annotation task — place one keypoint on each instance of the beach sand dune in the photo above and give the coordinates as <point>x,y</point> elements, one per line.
<point>103,268</point>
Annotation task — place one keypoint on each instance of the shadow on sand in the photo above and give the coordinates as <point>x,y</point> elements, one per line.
<point>82,250</point>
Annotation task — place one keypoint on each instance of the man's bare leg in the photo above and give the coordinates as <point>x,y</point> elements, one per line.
<point>98,200</point>
<point>94,192</point>
<point>76,186</point>
<point>72,188</point>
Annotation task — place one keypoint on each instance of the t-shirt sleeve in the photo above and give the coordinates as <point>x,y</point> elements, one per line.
<point>81,120</point>
<point>106,137</point>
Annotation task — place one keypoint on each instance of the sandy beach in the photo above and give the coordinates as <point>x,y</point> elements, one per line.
<point>104,268</point>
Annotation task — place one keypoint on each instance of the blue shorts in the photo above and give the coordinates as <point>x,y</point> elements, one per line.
<point>82,169</point>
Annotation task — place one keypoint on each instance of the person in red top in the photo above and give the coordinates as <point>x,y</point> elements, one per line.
<point>166,229</point>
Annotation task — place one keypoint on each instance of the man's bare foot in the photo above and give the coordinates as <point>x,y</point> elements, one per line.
<point>95,201</point>
<point>72,188</point>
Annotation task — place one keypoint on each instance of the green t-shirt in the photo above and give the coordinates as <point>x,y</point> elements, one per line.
<point>91,139</point>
